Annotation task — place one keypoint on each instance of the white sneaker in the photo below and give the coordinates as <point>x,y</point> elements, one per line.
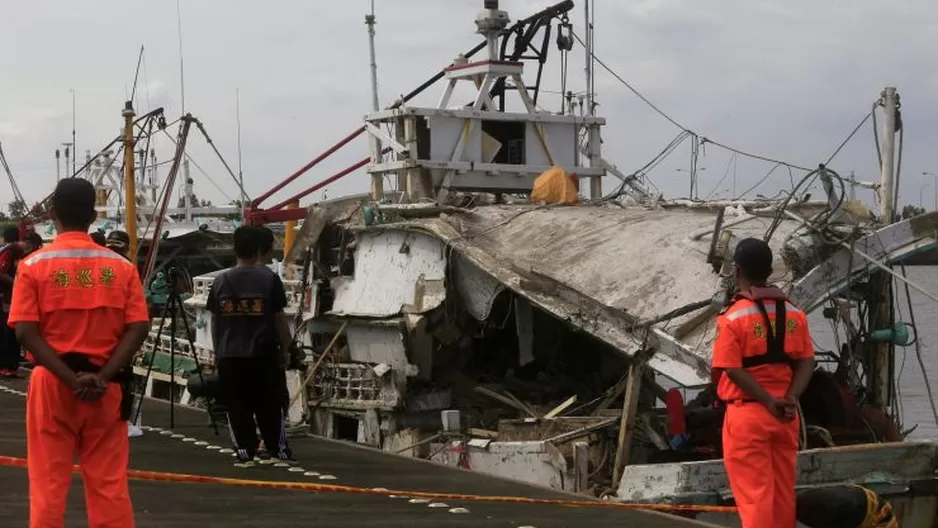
<point>134,431</point>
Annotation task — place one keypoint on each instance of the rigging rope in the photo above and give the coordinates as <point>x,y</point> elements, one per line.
<point>660,112</point>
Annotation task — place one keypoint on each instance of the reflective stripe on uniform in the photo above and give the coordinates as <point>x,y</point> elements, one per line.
<point>754,310</point>
<point>73,253</point>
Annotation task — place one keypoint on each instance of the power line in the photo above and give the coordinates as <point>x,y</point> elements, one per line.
<point>679,125</point>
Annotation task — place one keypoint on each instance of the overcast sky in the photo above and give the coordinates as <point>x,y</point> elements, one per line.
<point>785,79</point>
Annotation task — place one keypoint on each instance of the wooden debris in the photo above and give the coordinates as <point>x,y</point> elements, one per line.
<point>583,431</point>
<point>627,420</point>
<point>483,433</point>
<point>509,401</point>
<point>561,408</point>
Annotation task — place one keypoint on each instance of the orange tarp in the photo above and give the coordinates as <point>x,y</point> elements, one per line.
<point>555,186</point>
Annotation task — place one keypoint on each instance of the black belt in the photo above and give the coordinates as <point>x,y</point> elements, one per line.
<point>79,362</point>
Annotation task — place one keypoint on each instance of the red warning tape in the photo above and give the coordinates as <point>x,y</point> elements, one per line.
<point>156,476</point>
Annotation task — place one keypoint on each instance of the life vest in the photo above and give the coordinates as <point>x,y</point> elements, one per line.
<point>775,333</point>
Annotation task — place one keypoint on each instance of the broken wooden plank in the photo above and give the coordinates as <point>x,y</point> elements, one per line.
<point>561,408</point>
<point>583,431</point>
<point>523,405</point>
<point>627,420</point>
<point>511,402</point>
<point>614,393</point>
<point>483,433</point>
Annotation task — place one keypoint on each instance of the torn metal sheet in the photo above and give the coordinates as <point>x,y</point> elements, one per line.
<point>477,289</point>
<point>389,267</point>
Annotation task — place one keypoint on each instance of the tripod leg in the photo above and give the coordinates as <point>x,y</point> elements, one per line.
<point>198,366</point>
<point>146,379</point>
<point>172,358</point>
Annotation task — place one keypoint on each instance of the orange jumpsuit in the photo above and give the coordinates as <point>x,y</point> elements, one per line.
<point>82,296</point>
<point>759,450</point>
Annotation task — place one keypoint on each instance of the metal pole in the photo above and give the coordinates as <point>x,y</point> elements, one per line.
<point>187,188</point>
<point>182,80</point>
<point>589,59</point>
<point>130,187</point>
<point>933,175</point>
<point>853,186</point>
<point>377,181</point>
<point>888,148</point>
<point>880,298</point>
<point>244,194</point>
<point>74,144</point>
<point>58,165</point>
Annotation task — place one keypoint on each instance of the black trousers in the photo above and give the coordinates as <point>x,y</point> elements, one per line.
<point>252,388</point>
<point>10,352</point>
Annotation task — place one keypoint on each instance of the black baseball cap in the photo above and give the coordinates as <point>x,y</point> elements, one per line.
<point>754,258</point>
<point>118,240</point>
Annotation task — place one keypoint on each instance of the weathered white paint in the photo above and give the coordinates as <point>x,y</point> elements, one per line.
<point>537,463</point>
<point>376,344</point>
<point>561,140</point>
<point>388,267</point>
<point>861,464</point>
<point>477,289</point>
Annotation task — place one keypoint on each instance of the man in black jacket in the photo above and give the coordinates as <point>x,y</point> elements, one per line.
<point>251,335</point>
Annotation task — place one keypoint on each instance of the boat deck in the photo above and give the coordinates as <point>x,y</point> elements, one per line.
<point>165,504</point>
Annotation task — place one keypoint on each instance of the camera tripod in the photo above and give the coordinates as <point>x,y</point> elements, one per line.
<point>172,310</point>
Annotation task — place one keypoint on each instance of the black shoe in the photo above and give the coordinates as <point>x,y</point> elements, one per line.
<point>286,456</point>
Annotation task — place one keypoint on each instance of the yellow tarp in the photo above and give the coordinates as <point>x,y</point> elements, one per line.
<point>555,186</point>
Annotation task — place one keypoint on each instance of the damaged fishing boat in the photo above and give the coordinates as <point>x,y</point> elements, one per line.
<point>484,315</point>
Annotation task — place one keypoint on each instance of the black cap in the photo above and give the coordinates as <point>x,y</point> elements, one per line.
<point>754,258</point>
<point>118,240</point>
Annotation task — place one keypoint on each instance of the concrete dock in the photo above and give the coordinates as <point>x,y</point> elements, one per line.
<point>163,504</point>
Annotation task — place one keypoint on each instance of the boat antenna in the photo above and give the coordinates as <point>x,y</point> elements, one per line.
<point>74,144</point>
<point>182,81</point>
<point>370,21</point>
<point>589,17</point>
<point>244,195</point>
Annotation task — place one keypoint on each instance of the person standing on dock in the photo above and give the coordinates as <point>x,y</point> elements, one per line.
<point>763,359</point>
<point>10,253</point>
<point>250,333</point>
<point>80,312</point>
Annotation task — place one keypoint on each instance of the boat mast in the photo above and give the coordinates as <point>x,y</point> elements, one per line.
<point>74,144</point>
<point>377,183</point>
<point>881,310</point>
<point>593,140</point>
<point>130,182</point>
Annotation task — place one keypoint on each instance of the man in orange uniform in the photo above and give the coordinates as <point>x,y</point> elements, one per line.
<point>79,310</point>
<point>762,362</point>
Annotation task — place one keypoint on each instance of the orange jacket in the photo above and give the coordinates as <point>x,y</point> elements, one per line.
<point>742,341</point>
<point>82,295</point>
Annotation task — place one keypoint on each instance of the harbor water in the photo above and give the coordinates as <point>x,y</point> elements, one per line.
<point>913,387</point>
